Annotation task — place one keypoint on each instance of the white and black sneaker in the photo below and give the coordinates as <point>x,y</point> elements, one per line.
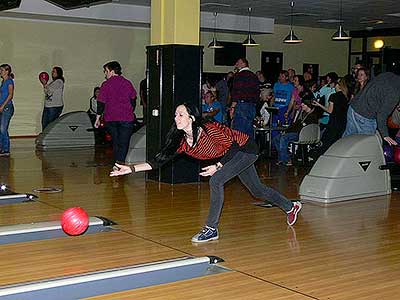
<point>207,234</point>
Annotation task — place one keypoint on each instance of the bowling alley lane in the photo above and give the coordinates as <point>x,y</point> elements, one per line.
<point>38,260</point>
<point>224,286</point>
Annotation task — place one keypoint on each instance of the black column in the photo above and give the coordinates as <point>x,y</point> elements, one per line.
<point>174,77</point>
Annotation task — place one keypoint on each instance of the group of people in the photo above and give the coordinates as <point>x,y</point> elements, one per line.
<point>53,104</point>
<point>115,100</point>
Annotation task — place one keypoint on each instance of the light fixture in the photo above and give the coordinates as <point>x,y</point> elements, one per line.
<point>340,34</point>
<point>249,41</point>
<point>214,44</point>
<point>378,44</point>
<point>291,38</point>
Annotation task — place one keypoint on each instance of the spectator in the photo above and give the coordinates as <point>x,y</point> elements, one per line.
<point>326,91</point>
<point>223,94</point>
<point>308,115</point>
<point>54,97</point>
<point>245,94</point>
<point>212,109</point>
<point>117,99</point>
<point>283,90</point>
<point>337,108</point>
<point>370,109</point>
<point>299,94</point>
<point>291,74</point>
<point>6,107</point>
<point>363,76</point>
<point>266,100</point>
<point>263,83</point>
<point>92,111</point>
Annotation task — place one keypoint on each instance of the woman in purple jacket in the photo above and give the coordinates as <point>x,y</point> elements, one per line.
<point>117,99</point>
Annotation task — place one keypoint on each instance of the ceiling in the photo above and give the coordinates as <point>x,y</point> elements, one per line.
<point>357,15</point>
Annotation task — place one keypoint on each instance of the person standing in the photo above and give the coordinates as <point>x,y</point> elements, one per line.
<point>245,95</point>
<point>92,111</point>
<point>237,154</point>
<point>6,107</point>
<point>54,97</point>
<point>337,109</point>
<point>372,106</point>
<point>283,90</point>
<point>117,99</point>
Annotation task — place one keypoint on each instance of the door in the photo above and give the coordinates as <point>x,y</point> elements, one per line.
<point>271,65</point>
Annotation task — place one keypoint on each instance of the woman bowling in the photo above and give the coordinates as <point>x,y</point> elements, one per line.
<point>209,140</point>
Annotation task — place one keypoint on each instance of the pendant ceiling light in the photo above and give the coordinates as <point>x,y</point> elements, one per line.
<point>249,41</point>
<point>340,34</point>
<point>291,38</point>
<point>214,44</point>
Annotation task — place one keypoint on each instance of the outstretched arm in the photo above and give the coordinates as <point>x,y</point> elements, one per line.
<point>119,169</point>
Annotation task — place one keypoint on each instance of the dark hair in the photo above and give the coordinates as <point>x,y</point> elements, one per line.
<point>346,86</point>
<point>333,76</point>
<point>60,73</point>
<point>175,136</point>
<point>7,67</point>
<point>113,66</point>
<point>301,80</point>
<point>95,90</point>
<point>284,72</point>
<point>245,61</point>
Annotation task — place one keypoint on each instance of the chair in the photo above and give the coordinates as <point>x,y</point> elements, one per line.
<point>310,135</point>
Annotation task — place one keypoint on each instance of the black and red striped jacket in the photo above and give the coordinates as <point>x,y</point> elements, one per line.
<point>215,141</point>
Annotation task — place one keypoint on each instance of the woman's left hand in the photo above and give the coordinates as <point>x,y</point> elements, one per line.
<point>209,170</point>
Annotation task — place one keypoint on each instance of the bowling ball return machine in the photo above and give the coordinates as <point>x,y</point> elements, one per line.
<point>71,130</point>
<point>352,168</point>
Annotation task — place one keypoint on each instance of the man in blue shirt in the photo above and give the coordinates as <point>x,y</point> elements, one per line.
<point>212,108</point>
<point>283,92</point>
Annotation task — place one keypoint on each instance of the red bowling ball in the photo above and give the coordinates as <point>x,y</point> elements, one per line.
<point>396,155</point>
<point>75,221</point>
<point>44,76</point>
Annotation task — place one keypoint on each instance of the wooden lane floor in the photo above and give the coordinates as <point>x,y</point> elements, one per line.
<point>343,251</point>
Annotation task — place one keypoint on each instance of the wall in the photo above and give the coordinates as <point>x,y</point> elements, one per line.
<point>81,50</point>
<point>317,48</point>
<point>34,46</point>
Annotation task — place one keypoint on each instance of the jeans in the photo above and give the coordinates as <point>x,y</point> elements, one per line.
<point>242,165</point>
<point>281,143</point>
<point>5,117</point>
<point>357,124</point>
<point>243,118</point>
<point>50,114</point>
<point>121,132</point>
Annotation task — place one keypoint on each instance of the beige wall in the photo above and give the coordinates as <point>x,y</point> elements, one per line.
<point>81,50</point>
<point>34,46</point>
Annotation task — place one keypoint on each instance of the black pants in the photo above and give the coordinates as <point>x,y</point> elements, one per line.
<point>121,132</point>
